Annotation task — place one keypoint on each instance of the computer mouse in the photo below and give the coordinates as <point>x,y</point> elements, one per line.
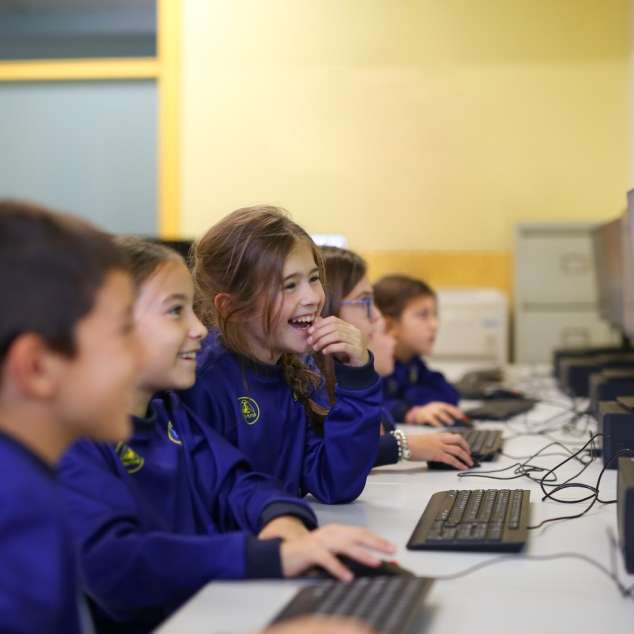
<point>503,393</point>
<point>464,423</point>
<point>384,569</point>
<point>443,466</point>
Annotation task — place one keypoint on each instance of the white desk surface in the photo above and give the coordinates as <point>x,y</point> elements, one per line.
<point>517,595</point>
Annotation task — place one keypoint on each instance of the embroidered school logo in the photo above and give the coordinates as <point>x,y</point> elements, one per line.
<point>250,410</point>
<point>172,434</point>
<point>130,459</point>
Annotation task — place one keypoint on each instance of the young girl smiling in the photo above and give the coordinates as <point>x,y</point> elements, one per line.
<point>260,290</point>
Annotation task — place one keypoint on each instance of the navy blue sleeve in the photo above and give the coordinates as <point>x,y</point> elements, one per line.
<point>281,509</point>
<point>254,499</point>
<point>240,497</point>
<point>397,407</point>
<point>337,464</point>
<point>431,387</point>
<point>38,588</point>
<point>388,451</point>
<point>132,566</point>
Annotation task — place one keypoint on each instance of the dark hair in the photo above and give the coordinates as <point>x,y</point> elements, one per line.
<point>243,255</point>
<point>392,293</point>
<point>344,270</point>
<point>51,267</point>
<point>144,257</point>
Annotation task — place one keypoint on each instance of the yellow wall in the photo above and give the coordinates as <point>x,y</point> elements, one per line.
<point>413,125</point>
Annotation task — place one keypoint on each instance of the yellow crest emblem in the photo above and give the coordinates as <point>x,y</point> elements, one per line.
<point>130,459</point>
<point>250,410</point>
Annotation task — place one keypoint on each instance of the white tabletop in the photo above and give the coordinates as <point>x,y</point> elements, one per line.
<point>516,595</point>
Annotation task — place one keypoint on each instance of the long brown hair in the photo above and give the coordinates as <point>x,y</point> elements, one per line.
<point>345,269</point>
<point>243,256</point>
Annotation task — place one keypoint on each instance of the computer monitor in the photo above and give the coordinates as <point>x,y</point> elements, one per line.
<point>608,246</point>
<point>180,246</point>
<point>628,266</point>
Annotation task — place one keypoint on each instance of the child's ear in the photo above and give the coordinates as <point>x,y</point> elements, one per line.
<point>222,303</point>
<point>32,367</point>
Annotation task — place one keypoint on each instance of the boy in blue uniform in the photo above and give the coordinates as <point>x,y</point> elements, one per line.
<point>176,506</point>
<point>414,393</point>
<point>259,281</point>
<point>67,364</point>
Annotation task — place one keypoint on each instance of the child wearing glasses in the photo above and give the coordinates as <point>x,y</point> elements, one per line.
<point>414,393</point>
<point>259,290</point>
<point>350,296</point>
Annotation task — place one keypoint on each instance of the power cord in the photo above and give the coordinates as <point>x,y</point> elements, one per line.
<point>625,591</point>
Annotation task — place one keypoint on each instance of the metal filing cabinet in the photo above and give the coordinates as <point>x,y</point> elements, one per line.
<point>555,291</point>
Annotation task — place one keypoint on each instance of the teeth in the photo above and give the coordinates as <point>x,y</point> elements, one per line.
<point>302,320</point>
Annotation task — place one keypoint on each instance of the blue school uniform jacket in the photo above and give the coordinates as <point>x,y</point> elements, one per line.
<point>38,578</point>
<point>159,516</point>
<point>413,383</point>
<point>252,406</point>
<point>388,447</point>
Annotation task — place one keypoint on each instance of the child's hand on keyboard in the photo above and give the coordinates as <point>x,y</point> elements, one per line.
<point>436,414</point>
<point>451,449</point>
<point>320,547</point>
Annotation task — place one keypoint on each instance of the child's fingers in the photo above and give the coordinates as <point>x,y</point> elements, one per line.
<point>459,453</point>
<point>336,533</point>
<point>430,418</point>
<point>458,439</point>
<point>329,562</point>
<point>452,410</point>
<point>372,540</point>
<point>443,416</point>
<point>329,324</point>
<point>360,554</point>
<point>322,340</point>
<point>454,462</point>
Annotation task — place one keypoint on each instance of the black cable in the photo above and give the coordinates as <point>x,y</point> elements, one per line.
<point>624,591</point>
<point>595,497</point>
<point>549,478</point>
<point>523,469</point>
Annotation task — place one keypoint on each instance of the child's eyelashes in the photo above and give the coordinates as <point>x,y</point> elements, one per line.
<point>176,311</point>
<point>291,286</point>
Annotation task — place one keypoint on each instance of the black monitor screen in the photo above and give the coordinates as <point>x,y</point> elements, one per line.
<point>628,266</point>
<point>608,256</point>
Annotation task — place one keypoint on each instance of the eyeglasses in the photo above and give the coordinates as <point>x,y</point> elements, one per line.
<point>366,301</point>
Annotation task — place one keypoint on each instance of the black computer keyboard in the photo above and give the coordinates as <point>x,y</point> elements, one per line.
<point>502,409</point>
<point>387,604</point>
<point>481,520</point>
<point>485,444</point>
